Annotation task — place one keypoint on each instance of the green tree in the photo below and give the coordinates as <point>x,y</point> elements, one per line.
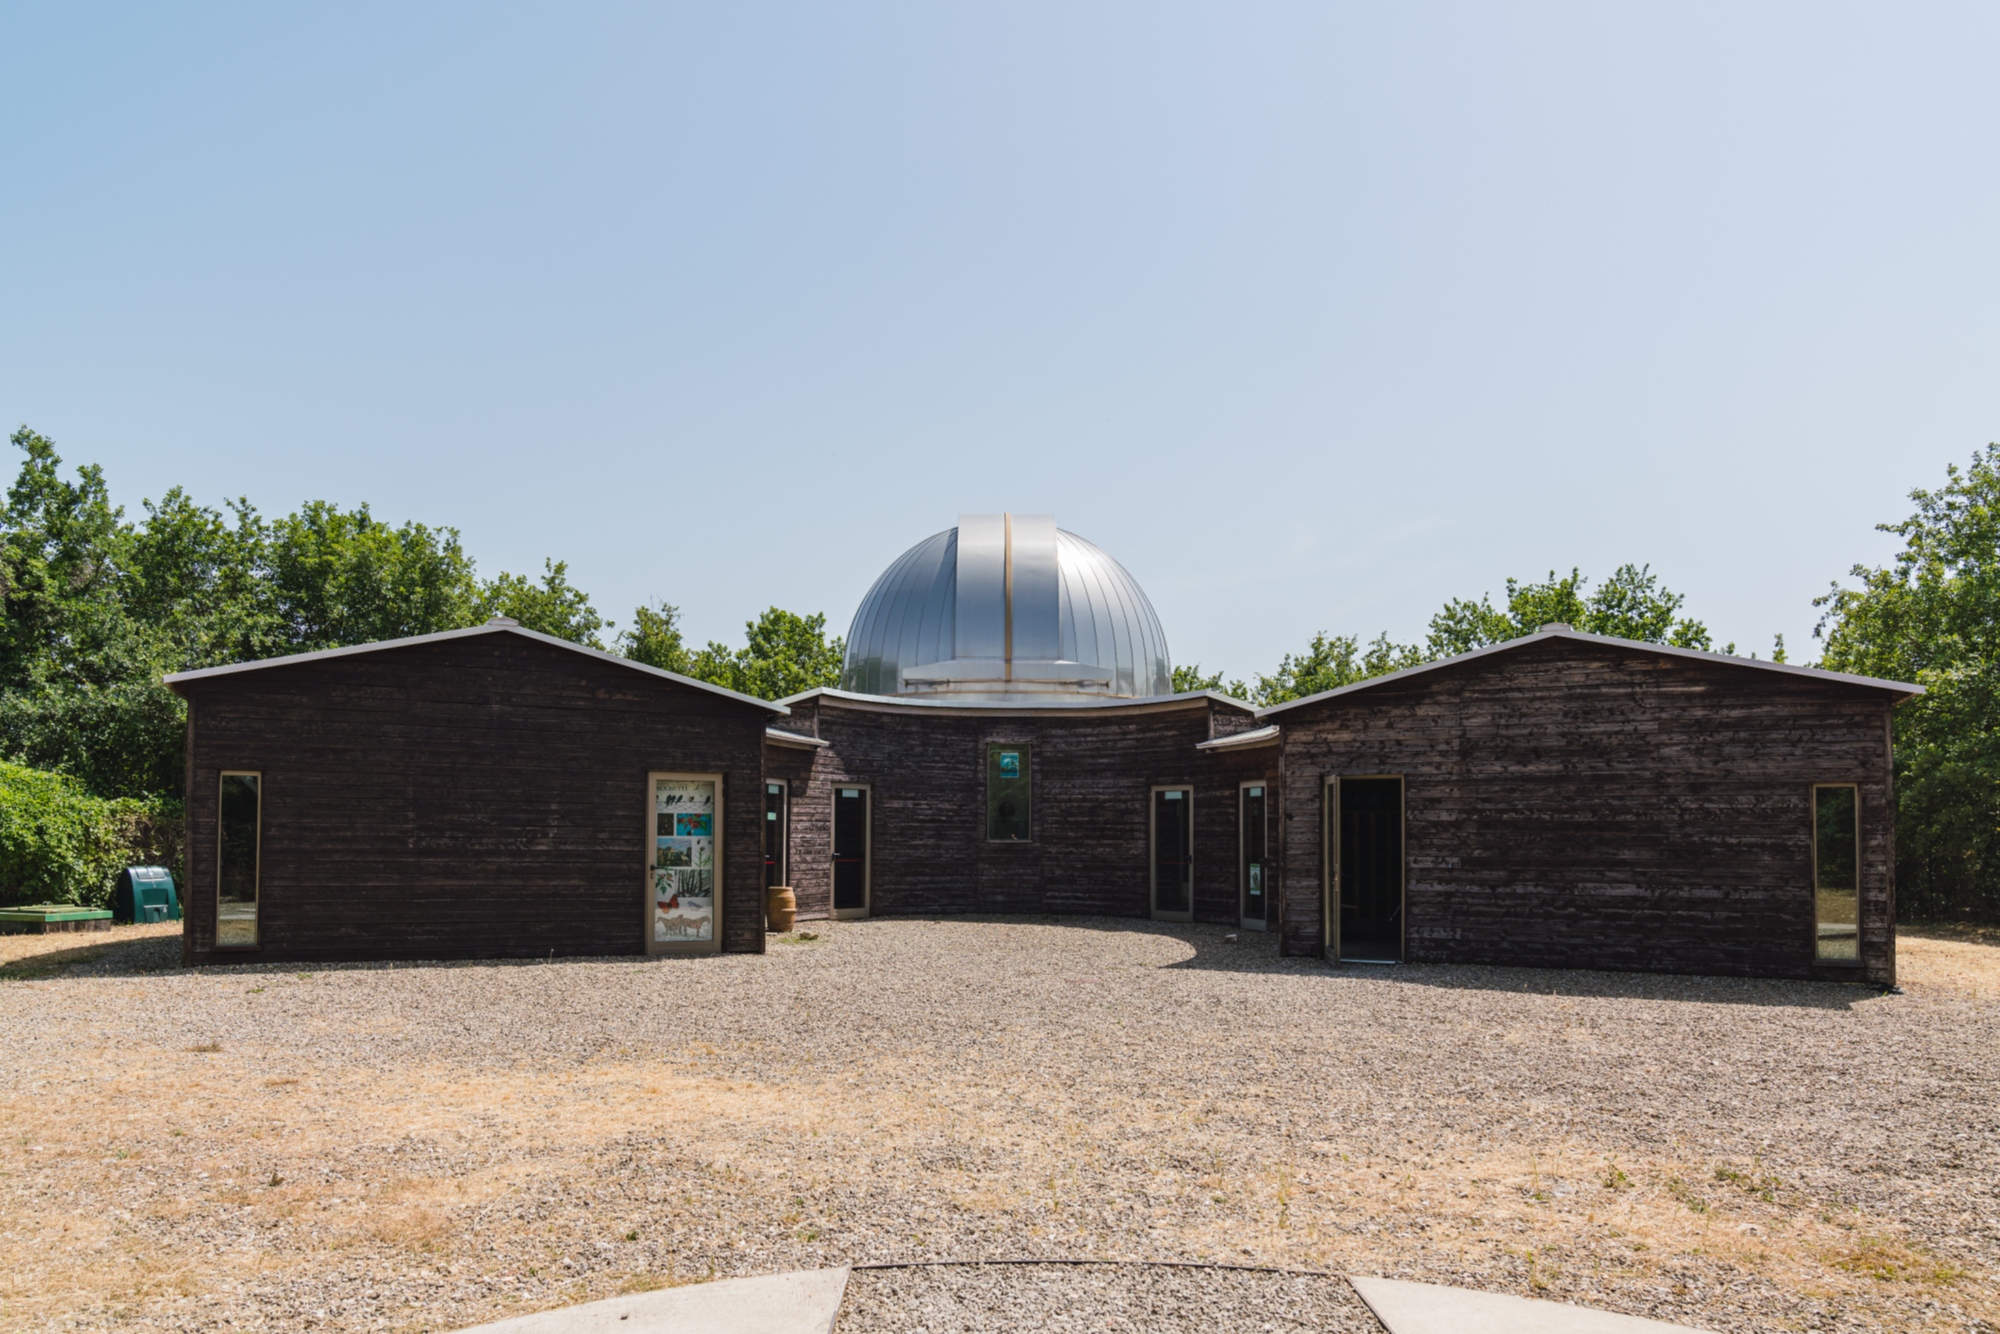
<point>552,606</point>
<point>1192,678</point>
<point>1932,616</point>
<point>784,653</point>
<point>655,638</point>
<point>788,653</point>
<point>1631,604</point>
<point>342,577</point>
<point>1332,661</point>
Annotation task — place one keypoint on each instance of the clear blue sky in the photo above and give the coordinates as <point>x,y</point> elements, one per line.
<point>1313,315</point>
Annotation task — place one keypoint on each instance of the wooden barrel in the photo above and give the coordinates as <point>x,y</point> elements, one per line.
<point>781,908</point>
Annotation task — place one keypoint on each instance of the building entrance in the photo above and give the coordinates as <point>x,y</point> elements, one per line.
<point>1254,874</point>
<point>1369,832</point>
<point>850,851</point>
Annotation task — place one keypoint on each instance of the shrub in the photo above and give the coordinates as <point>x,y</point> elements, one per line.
<point>59,844</point>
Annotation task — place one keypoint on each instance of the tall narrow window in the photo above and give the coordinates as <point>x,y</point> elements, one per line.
<point>1837,871</point>
<point>239,818</point>
<point>1008,780</point>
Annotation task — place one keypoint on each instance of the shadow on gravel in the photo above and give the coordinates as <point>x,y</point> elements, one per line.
<point>1212,951</point>
<point>1251,952</point>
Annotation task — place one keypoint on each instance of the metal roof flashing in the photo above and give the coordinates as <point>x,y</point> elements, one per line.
<point>919,703</point>
<point>499,625</point>
<point>1558,631</point>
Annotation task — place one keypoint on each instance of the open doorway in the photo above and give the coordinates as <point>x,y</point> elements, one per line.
<point>1173,854</point>
<point>1367,836</point>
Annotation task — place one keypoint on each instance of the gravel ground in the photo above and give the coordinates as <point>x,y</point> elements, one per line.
<point>425,1146</point>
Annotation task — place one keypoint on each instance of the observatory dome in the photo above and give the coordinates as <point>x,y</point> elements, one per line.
<point>1007,608</point>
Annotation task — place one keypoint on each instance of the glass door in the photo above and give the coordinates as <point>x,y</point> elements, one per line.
<point>1254,873</point>
<point>686,814</point>
<point>850,852</point>
<point>774,834</point>
<point>1173,854</point>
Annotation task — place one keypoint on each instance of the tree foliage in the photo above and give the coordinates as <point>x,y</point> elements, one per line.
<point>1192,678</point>
<point>784,653</point>
<point>60,844</point>
<point>98,608</point>
<point>1932,616</point>
<point>1631,604</point>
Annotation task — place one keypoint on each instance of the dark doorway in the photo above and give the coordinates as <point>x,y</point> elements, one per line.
<point>1254,874</point>
<point>774,834</point>
<point>1371,869</point>
<point>1173,853</point>
<point>850,851</point>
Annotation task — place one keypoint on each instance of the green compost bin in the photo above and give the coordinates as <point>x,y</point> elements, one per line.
<point>146,894</point>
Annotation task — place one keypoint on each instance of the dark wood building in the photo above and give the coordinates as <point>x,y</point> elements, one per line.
<point>1115,808</point>
<point>483,792</point>
<point>1560,800</point>
<point>1573,801</point>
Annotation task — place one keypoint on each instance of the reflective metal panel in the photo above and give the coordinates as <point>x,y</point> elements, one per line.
<point>982,587</point>
<point>1037,598</point>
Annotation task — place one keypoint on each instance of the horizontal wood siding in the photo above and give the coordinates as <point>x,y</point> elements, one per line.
<point>479,797</point>
<point>1093,774</point>
<point>1580,805</point>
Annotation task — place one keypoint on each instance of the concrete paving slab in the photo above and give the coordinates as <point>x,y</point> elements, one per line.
<point>1428,1308</point>
<point>802,1302</point>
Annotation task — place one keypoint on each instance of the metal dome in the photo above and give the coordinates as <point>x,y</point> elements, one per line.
<point>1008,608</point>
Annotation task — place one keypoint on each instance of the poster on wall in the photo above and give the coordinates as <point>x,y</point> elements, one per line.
<point>683,861</point>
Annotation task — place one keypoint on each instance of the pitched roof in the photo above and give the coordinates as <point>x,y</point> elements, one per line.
<point>1547,632</point>
<point>497,626</point>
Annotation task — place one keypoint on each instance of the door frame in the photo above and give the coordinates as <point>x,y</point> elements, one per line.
<point>1153,851</point>
<point>1242,836</point>
<point>713,945</point>
<point>1330,867</point>
<point>867,853</point>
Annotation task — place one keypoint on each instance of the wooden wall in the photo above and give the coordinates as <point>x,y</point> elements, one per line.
<point>476,797</point>
<point>1580,805</point>
<point>1093,774</point>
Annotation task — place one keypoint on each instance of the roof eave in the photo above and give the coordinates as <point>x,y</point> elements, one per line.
<point>175,680</point>
<point>1904,689</point>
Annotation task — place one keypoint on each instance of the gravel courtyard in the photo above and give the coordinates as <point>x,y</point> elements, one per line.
<point>419,1147</point>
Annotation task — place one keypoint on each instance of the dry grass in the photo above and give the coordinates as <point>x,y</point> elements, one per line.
<point>425,1146</point>
<point>1962,961</point>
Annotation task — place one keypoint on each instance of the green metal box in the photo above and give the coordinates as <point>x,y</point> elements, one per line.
<point>146,894</point>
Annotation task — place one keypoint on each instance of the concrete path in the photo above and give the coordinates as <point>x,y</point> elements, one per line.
<point>803,1302</point>
<point>1425,1308</point>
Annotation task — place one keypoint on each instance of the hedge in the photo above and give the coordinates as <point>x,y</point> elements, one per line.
<point>59,844</point>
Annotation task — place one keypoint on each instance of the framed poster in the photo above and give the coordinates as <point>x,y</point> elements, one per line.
<point>684,863</point>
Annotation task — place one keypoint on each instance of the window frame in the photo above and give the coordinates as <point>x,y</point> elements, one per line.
<point>257,871</point>
<point>668,948</point>
<point>1153,852</point>
<point>986,767</point>
<point>1812,885</point>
